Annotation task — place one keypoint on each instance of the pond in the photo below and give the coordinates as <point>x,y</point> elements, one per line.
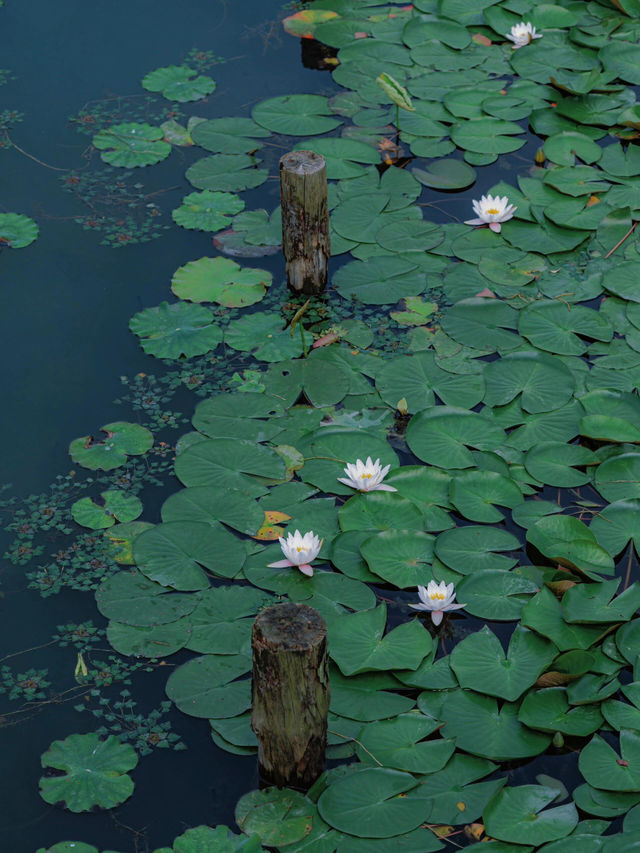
<point>187,410</point>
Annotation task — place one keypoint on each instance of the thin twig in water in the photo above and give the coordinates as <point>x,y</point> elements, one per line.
<point>31,157</point>
<point>620,242</point>
<point>355,740</point>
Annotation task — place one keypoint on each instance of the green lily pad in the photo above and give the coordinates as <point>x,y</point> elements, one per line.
<point>277,816</point>
<point>473,548</point>
<point>598,602</point>
<point>616,525</point>
<point>132,599</point>
<point>603,768</point>
<point>519,815</point>
<point>381,281</point>
<point>357,644</point>
<point>263,336</point>
<point>123,440</point>
<point>222,621</point>
<point>495,594</point>
<point>205,839</point>
<point>545,383</point>
<point>296,115</point>
<point>556,464</point>
<point>400,743</point>
<point>549,710</point>
<point>479,728</point>
<point>118,506</point>
<point>568,541</point>
<point>487,136</point>
<point>220,280</point>
<point>17,230</point>
<point>544,614</point>
<point>228,463</point>
<point>177,330</point>
<point>150,641</point>
<point>132,144</point>
<point>173,553</point>
<point>346,804</point>
<point>446,175</point>
<point>179,83</point>
<point>207,211</point>
<point>442,436</point>
<point>94,772</point>
<point>480,663</point>
<point>401,557</point>
<point>475,494</point>
<point>227,173</point>
<point>206,686</point>
<point>231,135</point>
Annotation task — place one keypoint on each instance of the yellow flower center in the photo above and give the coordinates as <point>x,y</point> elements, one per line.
<point>493,210</point>
<point>437,596</point>
<point>365,476</point>
<point>301,549</point>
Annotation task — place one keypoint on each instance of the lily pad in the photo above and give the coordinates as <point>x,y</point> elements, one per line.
<point>207,210</point>
<point>480,663</point>
<point>132,144</point>
<point>220,280</point>
<point>17,230</point>
<point>122,440</point>
<point>179,83</point>
<point>519,815</point>
<point>118,506</point>
<point>93,772</point>
<point>227,173</point>
<point>177,330</point>
<point>296,115</point>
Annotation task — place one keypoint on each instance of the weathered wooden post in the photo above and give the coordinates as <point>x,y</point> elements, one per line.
<point>290,694</point>
<point>305,220</point>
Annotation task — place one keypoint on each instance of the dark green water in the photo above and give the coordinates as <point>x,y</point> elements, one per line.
<point>65,304</point>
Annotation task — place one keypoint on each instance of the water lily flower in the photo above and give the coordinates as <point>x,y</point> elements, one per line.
<point>299,551</point>
<point>366,476</point>
<point>492,211</point>
<point>522,34</point>
<point>437,598</point>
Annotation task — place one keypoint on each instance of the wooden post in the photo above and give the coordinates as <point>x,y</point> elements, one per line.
<point>305,220</point>
<point>290,694</point>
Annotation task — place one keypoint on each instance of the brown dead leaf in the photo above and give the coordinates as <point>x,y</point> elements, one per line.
<point>478,38</point>
<point>558,588</point>
<point>555,679</point>
<point>267,533</point>
<point>273,516</point>
<point>593,199</point>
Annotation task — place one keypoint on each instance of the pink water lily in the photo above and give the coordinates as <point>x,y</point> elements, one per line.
<point>366,476</point>
<point>299,551</point>
<point>491,211</point>
<point>437,598</point>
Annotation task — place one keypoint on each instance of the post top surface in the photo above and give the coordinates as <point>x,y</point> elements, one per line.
<point>292,625</point>
<point>302,162</point>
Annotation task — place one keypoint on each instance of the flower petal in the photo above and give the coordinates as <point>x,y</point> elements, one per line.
<point>436,617</point>
<point>306,569</point>
<point>281,564</point>
<point>495,227</point>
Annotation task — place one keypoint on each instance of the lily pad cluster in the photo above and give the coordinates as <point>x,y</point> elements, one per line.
<point>510,427</point>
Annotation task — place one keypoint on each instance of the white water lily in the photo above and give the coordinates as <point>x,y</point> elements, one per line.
<point>522,34</point>
<point>437,598</point>
<point>299,551</point>
<point>491,211</point>
<point>366,476</point>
